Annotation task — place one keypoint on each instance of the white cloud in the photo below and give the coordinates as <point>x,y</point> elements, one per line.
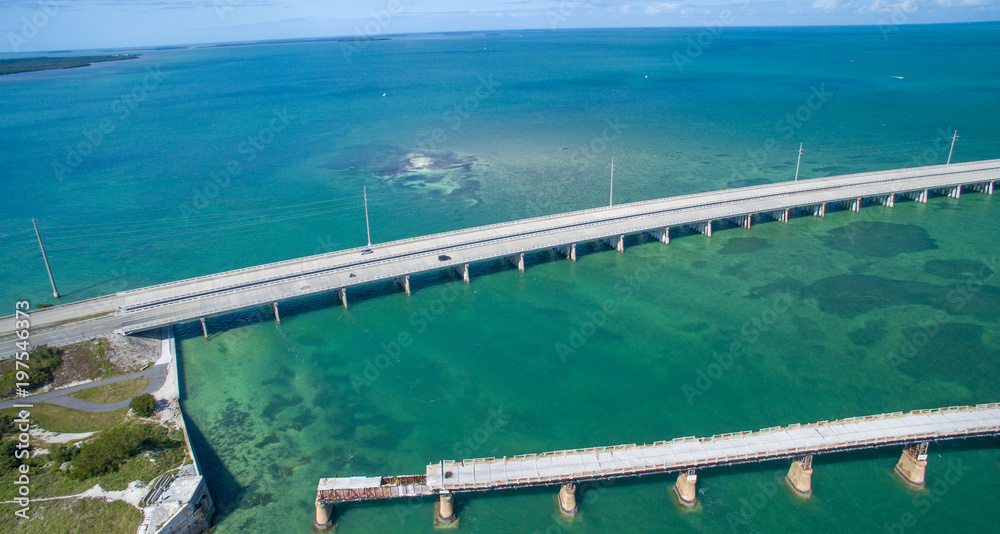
<point>659,8</point>
<point>826,5</point>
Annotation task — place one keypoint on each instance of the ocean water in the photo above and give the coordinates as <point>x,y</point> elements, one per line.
<point>233,156</point>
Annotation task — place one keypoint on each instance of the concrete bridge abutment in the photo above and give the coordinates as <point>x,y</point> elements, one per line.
<point>912,465</point>
<point>325,515</point>
<point>444,511</point>
<point>799,476</point>
<point>686,488</point>
<point>567,500</point>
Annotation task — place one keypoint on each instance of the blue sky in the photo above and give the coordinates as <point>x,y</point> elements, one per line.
<point>42,25</point>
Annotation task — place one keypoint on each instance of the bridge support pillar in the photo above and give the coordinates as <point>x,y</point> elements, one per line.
<point>888,200</point>
<point>704,228</point>
<point>856,205</point>
<point>325,514</point>
<point>663,236</point>
<point>747,221</point>
<point>343,296</point>
<point>685,488</point>
<point>567,500</point>
<point>989,188</point>
<point>404,282</point>
<point>444,511</point>
<point>277,316</point>
<point>956,192</point>
<point>912,464</point>
<point>799,476</point>
<point>204,328</point>
<point>620,244</point>
<point>463,271</point>
<point>783,217</point>
<point>572,252</point>
<point>820,210</point>
<point>519,260</point>
<point>923,196</point>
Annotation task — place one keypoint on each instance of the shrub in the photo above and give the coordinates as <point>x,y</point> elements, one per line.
<point>8,461</point>
<point>43,361</point>
<point>115,446</point>
<point>61,453</point>
<point>143,405</point>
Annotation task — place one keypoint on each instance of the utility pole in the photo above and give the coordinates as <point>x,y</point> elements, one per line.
<point>799,163</point>
<point>45,258</point>
<point>368,228</point>
<point>612,200</point>
<point>953,138</point>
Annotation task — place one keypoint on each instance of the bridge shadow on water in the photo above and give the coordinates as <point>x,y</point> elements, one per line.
<point>359,294</point>
<point>226,492</point>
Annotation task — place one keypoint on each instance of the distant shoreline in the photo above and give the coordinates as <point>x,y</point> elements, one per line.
<point>36,64</point>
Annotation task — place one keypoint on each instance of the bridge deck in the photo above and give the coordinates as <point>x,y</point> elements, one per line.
<point>166,304</point>
<point>682,453</point>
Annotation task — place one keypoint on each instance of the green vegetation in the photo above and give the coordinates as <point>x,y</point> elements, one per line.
<point>112,393</point>
<point>78,516</point>
<point>143,405</point>
<point>42,363</point>
<point>43,305</point>
<point>32,64</point>
<point>114,447</point>
<point>58,419</point>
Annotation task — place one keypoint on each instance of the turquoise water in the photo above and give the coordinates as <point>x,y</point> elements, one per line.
<point>826,310</point>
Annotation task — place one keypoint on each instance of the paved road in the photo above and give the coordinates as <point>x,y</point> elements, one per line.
<point>186,300</point>
<point>60,397</point>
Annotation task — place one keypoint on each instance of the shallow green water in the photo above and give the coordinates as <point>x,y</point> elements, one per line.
<point>849,315</point>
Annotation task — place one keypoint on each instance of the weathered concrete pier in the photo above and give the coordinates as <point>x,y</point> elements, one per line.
<point>685,456</point>
<point>265,285</point>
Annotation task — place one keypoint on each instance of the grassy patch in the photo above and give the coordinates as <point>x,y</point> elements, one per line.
<point>50,482</point>
<point>78,516</point>
<point>111,393</point>
<point>58,419</point>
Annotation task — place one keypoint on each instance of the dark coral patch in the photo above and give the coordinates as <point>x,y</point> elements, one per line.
<point>878,239</point>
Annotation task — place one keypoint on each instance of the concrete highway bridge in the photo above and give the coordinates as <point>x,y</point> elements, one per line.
<point>217,294</point>
<point>913,430</point>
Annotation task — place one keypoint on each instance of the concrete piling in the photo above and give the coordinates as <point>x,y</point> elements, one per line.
<point>686,488</point>
<point>404,282</point>
<point>325,514</point>
<point>343,296</point>
<point>567,500</point>
<point>799,476</point>
<point>444,512</point>
<point>912,464</point>
<point>277,316</point>
<point>620,244</point>
<point>204,328</point>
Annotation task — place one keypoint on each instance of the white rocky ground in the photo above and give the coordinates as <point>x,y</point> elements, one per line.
<point>132,353</point>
